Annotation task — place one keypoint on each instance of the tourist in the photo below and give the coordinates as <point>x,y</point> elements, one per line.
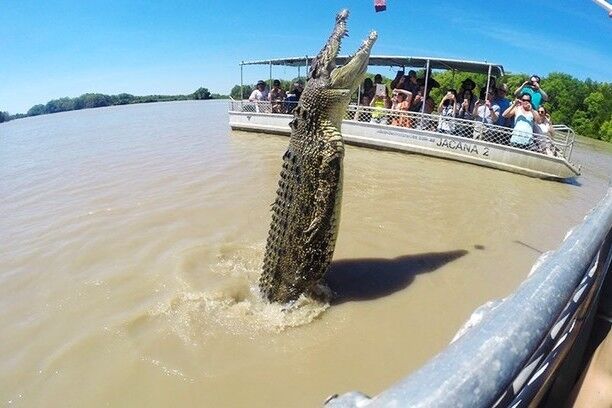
<point>468,85</point>
<point>399,80</point>
<point>545,131</point>
<point>417,100</point>
<point>400,83</point>
<point>401,103</point>
<point>364,112</point>
<point>406,82</point>
<point>430,106</point>
<point>532,88</point>
<point>412,85</point>
<point>466,100</point>
<point>492,84</point>
<point>260,93</point>
<point>292,97</point>
<point>448,110</point>
<point>485,112</point>
<point>379,103</point>
<point>367,90</point>
<point>431,83</point>
<point>503,103</point>
<point>524,119</point>
<point>276,97</point>
<point>466,104</point>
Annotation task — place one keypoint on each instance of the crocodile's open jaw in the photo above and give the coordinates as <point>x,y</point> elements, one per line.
<point>338,83</point>
<point>349,75</point>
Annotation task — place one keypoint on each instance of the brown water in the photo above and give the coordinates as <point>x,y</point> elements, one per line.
<point>131,239</point>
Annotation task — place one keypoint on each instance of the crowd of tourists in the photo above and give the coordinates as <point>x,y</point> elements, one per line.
<point>527,122</point>
<point>280,101</point>
<point>522,122</point>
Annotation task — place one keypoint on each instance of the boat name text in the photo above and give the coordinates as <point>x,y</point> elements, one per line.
<point>463,146</point>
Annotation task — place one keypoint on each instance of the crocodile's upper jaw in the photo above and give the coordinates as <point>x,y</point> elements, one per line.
<point>337,83</point>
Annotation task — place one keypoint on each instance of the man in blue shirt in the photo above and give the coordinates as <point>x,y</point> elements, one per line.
<point>503,103</point>
<point>532,88</point>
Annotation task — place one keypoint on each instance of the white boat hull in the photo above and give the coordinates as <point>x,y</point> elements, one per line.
<point>425,142</point>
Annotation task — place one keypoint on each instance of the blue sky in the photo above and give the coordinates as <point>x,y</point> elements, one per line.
<point>50,49</point>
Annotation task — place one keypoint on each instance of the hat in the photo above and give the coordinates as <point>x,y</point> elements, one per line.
<point>502,87</point>
<point>468,84</point>
<point>412,73</point>
<point>260,82</point>
<point>276,82</point>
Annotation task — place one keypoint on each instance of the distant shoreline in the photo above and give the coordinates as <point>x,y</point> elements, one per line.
<point>97,100</point>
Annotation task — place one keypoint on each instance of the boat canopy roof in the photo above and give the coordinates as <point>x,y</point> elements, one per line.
<point>481,67</point>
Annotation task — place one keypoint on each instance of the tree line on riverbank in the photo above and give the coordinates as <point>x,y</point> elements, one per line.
<point>96,100</point>
<point>585,106</point>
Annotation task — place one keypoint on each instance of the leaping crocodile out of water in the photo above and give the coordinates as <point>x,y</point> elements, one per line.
<point>306,213</point>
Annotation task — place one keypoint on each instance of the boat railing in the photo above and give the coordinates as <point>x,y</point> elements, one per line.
<point>459,127</point>
<point>559,145</point>
<point>565,136</point>
<point>285,107</point>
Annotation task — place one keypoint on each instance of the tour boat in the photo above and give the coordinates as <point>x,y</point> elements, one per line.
<point>463,140</point>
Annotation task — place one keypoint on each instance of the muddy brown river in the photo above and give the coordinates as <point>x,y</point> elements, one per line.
<point>131,240</point>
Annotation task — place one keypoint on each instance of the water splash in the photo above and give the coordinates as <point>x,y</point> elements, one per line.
<point>230,303</point>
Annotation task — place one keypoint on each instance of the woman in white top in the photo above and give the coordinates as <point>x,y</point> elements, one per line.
<point>260,93</point>
<point>448,110</point>
<point>545,131</point>
<point>524,119</point>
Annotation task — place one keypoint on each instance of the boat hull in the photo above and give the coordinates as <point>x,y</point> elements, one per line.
<point>426,142</point>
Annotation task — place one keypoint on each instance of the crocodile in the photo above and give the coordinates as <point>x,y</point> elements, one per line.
<point>306,212</point>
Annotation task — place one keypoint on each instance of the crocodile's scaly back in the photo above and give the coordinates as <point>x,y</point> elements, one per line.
<point>306,212</point>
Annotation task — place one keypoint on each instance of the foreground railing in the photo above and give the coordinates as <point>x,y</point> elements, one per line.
<point>511,357</point>
<point>559,145</point>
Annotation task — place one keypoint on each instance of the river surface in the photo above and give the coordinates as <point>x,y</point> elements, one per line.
<point>131,239</point>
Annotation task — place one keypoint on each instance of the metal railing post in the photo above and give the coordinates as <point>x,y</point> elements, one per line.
<point>487,91</point>
<point>424,92</point>
<point>241,81</point>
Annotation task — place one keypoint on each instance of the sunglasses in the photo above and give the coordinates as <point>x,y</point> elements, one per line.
<point>526,100</point>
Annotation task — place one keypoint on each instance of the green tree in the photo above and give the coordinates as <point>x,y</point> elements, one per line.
<point>201,93</point>
<point>606,131</point>
<point>37,110</point>
<point>565,97</point>
<point>246,92</point>
<point>122,99</point>
<point>4,117</point>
